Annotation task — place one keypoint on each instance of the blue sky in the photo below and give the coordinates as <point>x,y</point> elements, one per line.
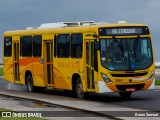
<point>19,14</point>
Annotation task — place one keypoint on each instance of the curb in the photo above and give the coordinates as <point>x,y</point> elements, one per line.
<point>157,87</point>
<point>65,106</point>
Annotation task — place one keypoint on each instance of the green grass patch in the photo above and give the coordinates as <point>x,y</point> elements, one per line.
<point>157,82</point>
<point>17,118</point>
<point>1,71</point>
<point>3,109</point>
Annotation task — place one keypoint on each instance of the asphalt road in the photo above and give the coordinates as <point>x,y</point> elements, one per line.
<point>147,100</point>
<point>17,104</point>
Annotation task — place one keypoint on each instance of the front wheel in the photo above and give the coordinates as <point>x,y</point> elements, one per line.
<point>125,94</point>
<point>29,84</point>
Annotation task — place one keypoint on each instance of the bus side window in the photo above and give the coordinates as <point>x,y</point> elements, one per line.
<point>76,45</point>
<point>8,46</point>
<point>26,46</point>
<point>37,46</point>
<point>63,46</point>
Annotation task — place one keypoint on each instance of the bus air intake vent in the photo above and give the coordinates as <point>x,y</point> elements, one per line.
<point>124,87</point>
<point>129,75</point>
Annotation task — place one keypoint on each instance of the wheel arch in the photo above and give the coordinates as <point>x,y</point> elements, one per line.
<point>28,72</point>
<point>75,77</point>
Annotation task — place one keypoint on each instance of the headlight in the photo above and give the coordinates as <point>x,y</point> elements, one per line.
<point>105,78</point>
<point>151,76</point>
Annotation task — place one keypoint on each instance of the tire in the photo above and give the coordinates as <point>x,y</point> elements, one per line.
<point>30,86</point>
<point>125,94</point>
<point>79,89</point>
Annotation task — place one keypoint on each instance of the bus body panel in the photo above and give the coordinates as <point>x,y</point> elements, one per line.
<point>64,69</point>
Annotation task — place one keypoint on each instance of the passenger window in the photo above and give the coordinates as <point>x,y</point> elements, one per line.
<point>26,46</point>
<point>63,45</point>
<point>76,45</point>
<point>37,46</point>
<point>8,46</point>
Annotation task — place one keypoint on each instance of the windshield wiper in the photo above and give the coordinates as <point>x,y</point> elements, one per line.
<point>135,45</point>
<point>119,45</point>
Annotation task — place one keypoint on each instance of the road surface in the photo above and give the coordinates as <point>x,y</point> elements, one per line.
<point>142,100</point>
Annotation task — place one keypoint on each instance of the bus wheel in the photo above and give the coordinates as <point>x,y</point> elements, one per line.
<point>30,87</point>
<point>125,94</point>
<point>79,89</point>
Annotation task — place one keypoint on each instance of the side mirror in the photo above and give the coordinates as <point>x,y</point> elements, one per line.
<point>96,43</point>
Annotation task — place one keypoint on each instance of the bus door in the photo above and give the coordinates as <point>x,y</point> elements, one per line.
<point>48,62</point>
<point>16,61</point>
<point>90,65</point>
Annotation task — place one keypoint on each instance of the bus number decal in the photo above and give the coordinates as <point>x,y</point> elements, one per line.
<point>118,80</point>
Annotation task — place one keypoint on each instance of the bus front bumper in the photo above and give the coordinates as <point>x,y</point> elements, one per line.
<point>104,87</point>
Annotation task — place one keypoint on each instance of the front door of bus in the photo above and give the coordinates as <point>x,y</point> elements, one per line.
<point>90,67</point>
<point>48,61</point>
<point>16,61</point>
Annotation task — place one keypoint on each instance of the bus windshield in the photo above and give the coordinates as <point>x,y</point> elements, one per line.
<point>126,54</point>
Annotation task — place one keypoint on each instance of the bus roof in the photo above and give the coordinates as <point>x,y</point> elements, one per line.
<point>61,27</point>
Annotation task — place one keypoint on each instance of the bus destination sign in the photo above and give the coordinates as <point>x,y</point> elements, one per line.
<point>123,31</point>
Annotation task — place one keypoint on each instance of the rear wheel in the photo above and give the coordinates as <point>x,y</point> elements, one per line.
<point>125,94</point>
<point>29,84</point>
<point>79,89</point>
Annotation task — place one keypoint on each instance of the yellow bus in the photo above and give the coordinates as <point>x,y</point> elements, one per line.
<point>84,57</point>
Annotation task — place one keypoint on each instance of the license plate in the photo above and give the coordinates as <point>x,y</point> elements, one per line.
<point>130,89</point>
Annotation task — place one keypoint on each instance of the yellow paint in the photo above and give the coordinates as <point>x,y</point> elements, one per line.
<point>64,68</point>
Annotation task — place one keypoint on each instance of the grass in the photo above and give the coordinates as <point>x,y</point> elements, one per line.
<point>157,82</point>
<point>17,118</point>
<point>1,71</point>
<point>3,109</point>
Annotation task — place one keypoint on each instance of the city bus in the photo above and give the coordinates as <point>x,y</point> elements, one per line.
<point>81,57</point>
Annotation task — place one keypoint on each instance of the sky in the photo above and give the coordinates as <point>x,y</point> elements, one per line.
<point>19,14</point>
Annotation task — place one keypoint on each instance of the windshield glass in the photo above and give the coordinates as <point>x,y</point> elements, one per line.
<point>126,54</point>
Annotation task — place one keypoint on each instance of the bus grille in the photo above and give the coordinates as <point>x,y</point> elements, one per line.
<point>124,87</point>
<point>129,75</point>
